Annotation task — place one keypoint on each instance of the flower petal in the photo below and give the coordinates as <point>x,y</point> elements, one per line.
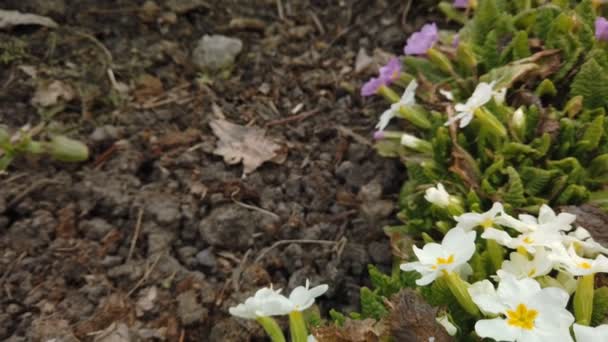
<point>497,329</point>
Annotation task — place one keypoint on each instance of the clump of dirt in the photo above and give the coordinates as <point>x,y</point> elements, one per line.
<point>156,236</point>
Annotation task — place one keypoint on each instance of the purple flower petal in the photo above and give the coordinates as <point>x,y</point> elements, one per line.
<point>391,71</point>
<point>455,41</point>
<point>601,29</point>
<point>388,73</point>
<point>371,87</point>
<point>461,3</point>
<point>378,135</point>
<point>419,42</point>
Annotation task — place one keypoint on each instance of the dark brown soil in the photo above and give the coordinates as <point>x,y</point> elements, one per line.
<point>155,237</point>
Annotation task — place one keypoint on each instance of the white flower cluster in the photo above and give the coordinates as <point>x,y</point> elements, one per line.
<point>268,302</point>
<point>528,304</point>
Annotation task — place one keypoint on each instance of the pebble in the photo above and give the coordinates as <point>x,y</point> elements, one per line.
<point>216,52</point>
<point>188,308</point>
<point>206,258</point>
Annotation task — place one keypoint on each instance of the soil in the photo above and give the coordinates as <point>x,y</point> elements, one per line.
<point>155,236</point>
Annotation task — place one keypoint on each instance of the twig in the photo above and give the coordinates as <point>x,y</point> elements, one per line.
<point>283,242</point>
<point>315,19</point>
<point>146,275</point>
<point>280,10</point>
<point>11,267</point>
<point>236,274</point>
<point>140,216</point>
<point>29,190</point>
<point>253,207</point>
<point>293,118</point>
<point>358,137</point>
<point>99,45</point>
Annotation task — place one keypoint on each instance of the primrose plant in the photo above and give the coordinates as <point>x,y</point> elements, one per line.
<point>502,128</point>
<point>21,142</point>
<point>268,302</point>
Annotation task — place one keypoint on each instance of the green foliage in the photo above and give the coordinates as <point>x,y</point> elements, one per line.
<point>591,83</point>
<point>372,304</point>
<point>600,306</point>
<point>337,317</point>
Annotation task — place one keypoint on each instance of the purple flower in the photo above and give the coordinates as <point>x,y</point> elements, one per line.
<point>461,3</point>
<point>387,74</point>
<point>601,29</point>
<point>378,135</point>
<point>455,41</point>
<point>419,42</point>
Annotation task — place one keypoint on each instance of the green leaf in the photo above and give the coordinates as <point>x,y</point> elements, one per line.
<point>372,304</point>
<point>591,82</point>
<point>592,136</point>
<point>514,194</point>
<point>600,306</point>
<point>485,18</point>
<point>536,179</point>
<point>337,316</point>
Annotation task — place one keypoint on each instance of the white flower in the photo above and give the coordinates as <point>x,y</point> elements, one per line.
<point>469,221</point>
<point>265,302</point>
<point>438,196</point>
<point>521,267</point>
<point>449,327</point>
<point>447,94</point>
<point>547,220</point>
<point>302,297</point>
<point>483,94</point>
<point>529,241</point>
<point>410,141</point>
<point>576,265</point>
<point>587,334</point>
<point>582,240</point>
<point>518,119</point>
<point>408,98</point>
<point>452,254</point>
<point>500,95</point>
<point>311,338</point>
<point>525,311</point>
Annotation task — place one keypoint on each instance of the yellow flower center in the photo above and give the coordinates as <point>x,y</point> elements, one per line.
<point>487,223</point>
<point>522,317</point>
<point>532,272</point>
<point>444,261</point>
<point>395,75</point>
<point>584,265</point>
<point>528,240</point>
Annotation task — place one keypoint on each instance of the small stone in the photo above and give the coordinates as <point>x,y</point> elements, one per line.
<point>206,258</point>
<point>96,228</point>
<point>188,308</point>
<point>105,133</point>
<point>186,254</point>
<point>111,260</point>
<point>130,271</point>
<point>216,52</point>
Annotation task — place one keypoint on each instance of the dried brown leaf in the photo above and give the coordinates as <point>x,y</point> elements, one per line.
<point>367,330</point>
<point>245,144</point>
<point>412,319</point>
<point>9,19</point>
<point>49,94</point>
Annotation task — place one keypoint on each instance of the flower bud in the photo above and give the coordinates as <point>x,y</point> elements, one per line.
<point>440,60</point>
<point>583,299</point>
<point>68,150</point>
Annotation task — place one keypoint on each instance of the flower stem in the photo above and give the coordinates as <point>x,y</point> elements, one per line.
<point>416,115</point>
<point>495,251</point>
<point>491,122</point>
<point>583,299</point>
<point>459,289</point>
<point>389,94</point>
<point>272,329</point>
<point>297,327</point>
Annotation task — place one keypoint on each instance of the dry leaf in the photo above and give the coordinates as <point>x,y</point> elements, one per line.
<point>367,330</point>
<point>9,19</point>
<point>245,144</point>
<point>413,319</point>
<point>49,94</point>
